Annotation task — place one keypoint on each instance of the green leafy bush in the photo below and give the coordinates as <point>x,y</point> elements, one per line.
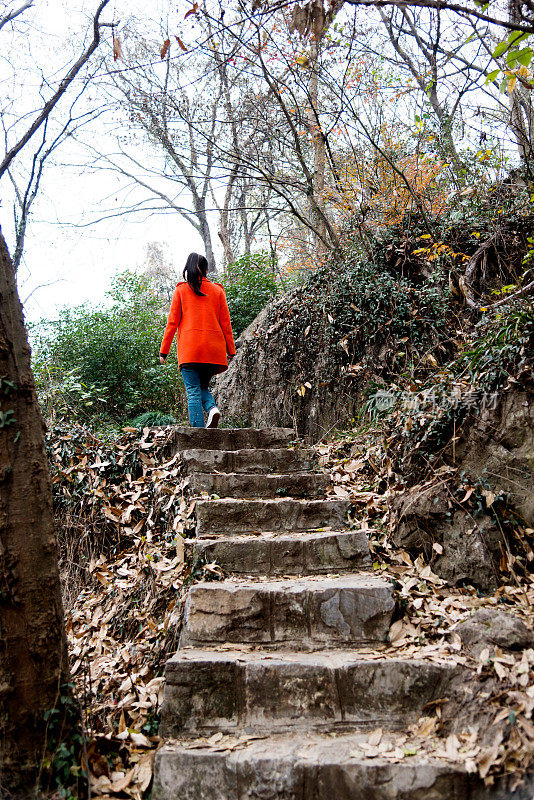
<point>67,395</point>
<point>249,284</point>
<point>353,321</point>
<point>153,419</point>
<point>103,361</point>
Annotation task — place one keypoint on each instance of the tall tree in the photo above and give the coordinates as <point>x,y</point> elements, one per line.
<point>177,111</point>
<point>33,653</point>
<point>188,106</point>
<point>427,71</point>
<point>281,142</point>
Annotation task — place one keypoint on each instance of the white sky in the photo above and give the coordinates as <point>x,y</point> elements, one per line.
<point>81,261</point>
<point>61,248</point>
<point>78,260</point>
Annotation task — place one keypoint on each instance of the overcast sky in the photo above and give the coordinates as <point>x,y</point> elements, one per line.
<point>61,248</point>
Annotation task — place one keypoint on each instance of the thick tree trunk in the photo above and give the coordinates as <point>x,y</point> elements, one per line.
<point>445,128</point>
<point>522,122</point>
<point>33,653</point>
<point>246,227</point>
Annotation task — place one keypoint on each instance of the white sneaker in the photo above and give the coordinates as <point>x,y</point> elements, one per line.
<point>213,417</point>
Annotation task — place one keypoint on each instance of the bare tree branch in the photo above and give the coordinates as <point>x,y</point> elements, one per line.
<point>11,15</point>
<point>65,83</point>
<point>41,286</point>
<point>438,5</point>
<point>529,287</point>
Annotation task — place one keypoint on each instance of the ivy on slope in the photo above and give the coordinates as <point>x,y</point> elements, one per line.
<point>354,320</point>
<point>349,311</point>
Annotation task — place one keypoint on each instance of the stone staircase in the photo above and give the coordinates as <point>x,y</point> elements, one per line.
<point>285,655</point>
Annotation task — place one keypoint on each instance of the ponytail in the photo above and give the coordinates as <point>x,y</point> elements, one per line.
<point>195,269</point>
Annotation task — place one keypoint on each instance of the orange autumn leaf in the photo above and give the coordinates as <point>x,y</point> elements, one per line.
<point>117,49</point>
<point>165,49</point>
<point>193,10</point>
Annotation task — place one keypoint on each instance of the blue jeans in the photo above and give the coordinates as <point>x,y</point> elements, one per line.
<point>196,378</point>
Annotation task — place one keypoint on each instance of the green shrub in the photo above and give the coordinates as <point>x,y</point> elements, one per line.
<point>103,361</point>
<point>66,395</point>
<point>249,284</point>
<point>153,419</point>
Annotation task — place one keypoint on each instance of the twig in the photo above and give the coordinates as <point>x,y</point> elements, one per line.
<point>63,86</point>
<point>520,293</point>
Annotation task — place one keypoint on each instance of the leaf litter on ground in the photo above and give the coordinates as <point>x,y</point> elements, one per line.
<point>361,466</point>
<point>121,515</point>
<point>123,510</point>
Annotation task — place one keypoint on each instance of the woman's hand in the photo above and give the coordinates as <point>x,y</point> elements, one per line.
<point>162,360</point>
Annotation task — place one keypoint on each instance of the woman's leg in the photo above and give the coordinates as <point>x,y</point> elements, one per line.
<point>206,374</point>
<point>194,396</point>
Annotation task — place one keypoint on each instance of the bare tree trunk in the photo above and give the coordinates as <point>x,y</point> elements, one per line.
<point>522,121</point>
<point>33,652</point>
<point>224,215</point>
<point>318,144</point>
<point>247,233</point>
<point>521,109</point>
<point>430,53</point>
<point>20,238</point>
<point>204,230</point>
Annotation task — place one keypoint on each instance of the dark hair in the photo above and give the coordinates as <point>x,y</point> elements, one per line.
<point>195,269</point>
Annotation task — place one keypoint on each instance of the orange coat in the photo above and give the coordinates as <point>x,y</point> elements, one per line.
<point>203,325</point>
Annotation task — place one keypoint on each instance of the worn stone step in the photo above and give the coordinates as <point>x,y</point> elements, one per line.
<point>297,484</point>
<point>275,460</point>
<point>303,767</point>
<point>228,438</point>
<point>229,516</point>
<point>286,554</point>
<point>257,691</point>
<point>301,613</point>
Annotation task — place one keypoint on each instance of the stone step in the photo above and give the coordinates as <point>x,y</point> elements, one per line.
<point>257,691</point>
<point>286,554</point>
<point>303,767</point>
<point>297,484</point>
<point>273,460</point>
<point>229,516</point>
<point>228,438</point>
<point>301,613</point>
